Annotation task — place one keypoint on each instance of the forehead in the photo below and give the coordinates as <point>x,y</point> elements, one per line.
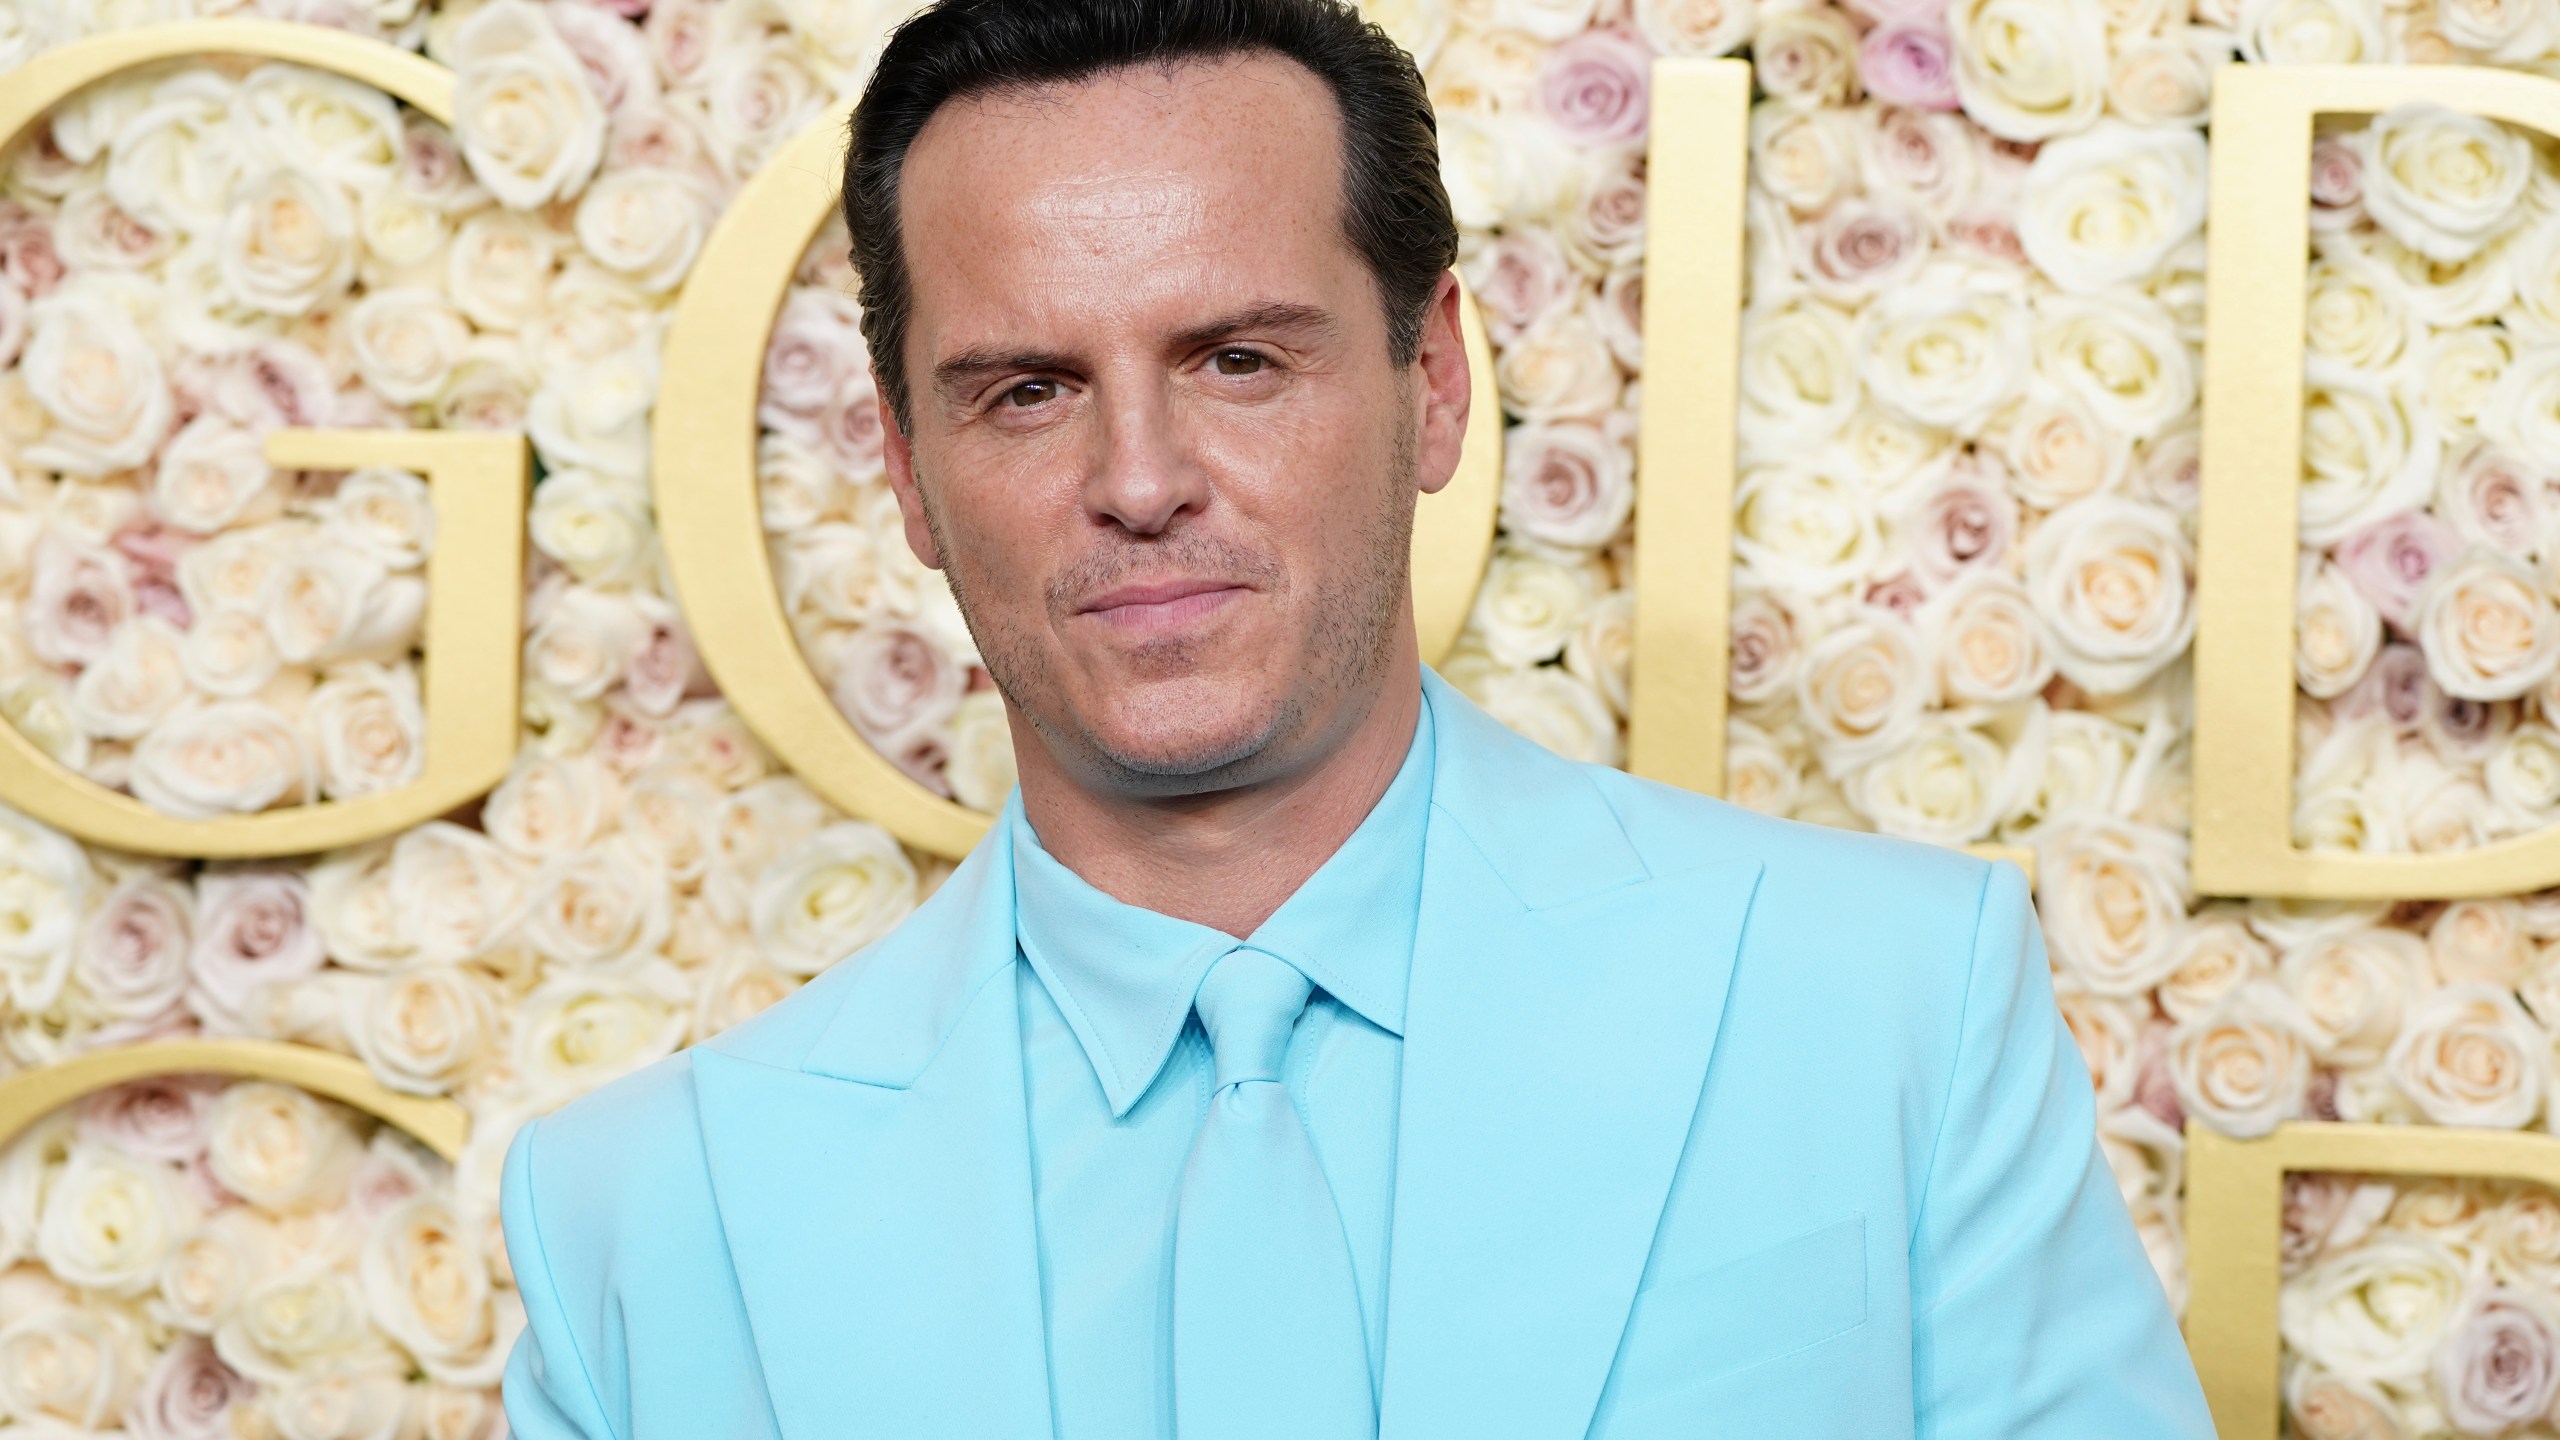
<point>1139,185</point>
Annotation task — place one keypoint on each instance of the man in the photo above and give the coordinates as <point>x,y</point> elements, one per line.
<point>1303,1055</point>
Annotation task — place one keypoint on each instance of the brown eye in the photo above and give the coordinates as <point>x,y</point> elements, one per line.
<point>1030,393</point>
<point>1238,362</point>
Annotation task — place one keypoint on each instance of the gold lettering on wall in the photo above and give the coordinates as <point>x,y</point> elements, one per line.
<point>703,475</point>
<point>2255,268</point>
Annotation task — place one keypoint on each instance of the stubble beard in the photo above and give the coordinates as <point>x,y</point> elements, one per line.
<point>1349,643</point>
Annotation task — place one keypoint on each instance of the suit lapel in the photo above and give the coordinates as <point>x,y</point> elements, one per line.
<point>876,1194</point>
<point>1561,1011</point>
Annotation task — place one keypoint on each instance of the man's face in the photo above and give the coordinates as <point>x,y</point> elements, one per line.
<point>1156,441</point>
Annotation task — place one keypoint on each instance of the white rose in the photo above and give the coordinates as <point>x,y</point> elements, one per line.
<point>1805,158</point>
<point>367,729</point>
<point>596,906</point>
<point>274,1146</point>
<point>317,601</point>
<point>1602,652</point>
<point>582,640</point>
<point>405,343</point>
<point>581,1028</point>
<point>979,762</point>
<point>757,89</point>
<point>1804,528</point>
<point>405,238</point>
<point>2357,317</point>
<point>2454,292</point>
<point>1548,20</point>
<point>2523,776</point>
<point>69,1363</point>
<point>498,269</point>
<point>597,526</point>
<point>528,124</point>
<point>1799,382</point>
<point>2165,79</point>
<point>1946,787</point>
<point>845,887</point>
<point>1696,27</point>
<point>1941,351</point>
<point>110,1220</point>
<point>228,654</point>
<point>138,680</point>
<point>2488,629</point>
<point>2351,988</point>
<point>225,757</point>
<point>354,911</point>
<point>1529,606</point>
<point>388,514</point>
<point>2469,1055</point>
<point>99,382</point>
<point>322,124</point>
<point>2113,897</point>
<point>2121,355</point>
<point>2522,412</point>
<point>2367,453</point>
<point>597,417</point>
<point>176,163</point>
<point>2215,954</point>
<point>287,245</point>
<point>426,1284</point>
<point>2029,69</point>
<point>208,1270</point>
<point>1991,646</point>
<point>2108,205</point>
<point>290,1325</point>
<point>2309,32</point>
<point>214,474</point>
<point>642,223</point>
<point>2057,450</point>
<point>458,894</point>
<point>2375,1311</point>
<point>2337,632</point>
<point>1861,689</point>
<point>2243,1066</point>
<point>2110,577</point>
<point>44,887</point>
<point>1555,708</point>
<point>2444,182</point>
<point>1560,369</point>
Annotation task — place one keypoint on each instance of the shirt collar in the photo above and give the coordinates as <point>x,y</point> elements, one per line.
<point>1124,977</point>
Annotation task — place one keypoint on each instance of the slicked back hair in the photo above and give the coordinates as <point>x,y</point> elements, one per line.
<point>1395,211</point>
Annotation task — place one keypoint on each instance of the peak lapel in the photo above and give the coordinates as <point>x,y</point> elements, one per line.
<point>877,1194</point>
<point>1563,1005</point>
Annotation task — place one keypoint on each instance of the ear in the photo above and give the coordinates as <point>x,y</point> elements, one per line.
<point>1447,388</point>
<point>898,456</point>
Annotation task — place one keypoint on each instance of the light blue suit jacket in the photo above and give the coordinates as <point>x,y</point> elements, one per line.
<point>1711,1125</point>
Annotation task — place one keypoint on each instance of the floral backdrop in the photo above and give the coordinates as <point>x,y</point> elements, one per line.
<point>1964,557</point>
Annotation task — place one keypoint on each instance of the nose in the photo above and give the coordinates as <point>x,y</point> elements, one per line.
<point>1145,476</point>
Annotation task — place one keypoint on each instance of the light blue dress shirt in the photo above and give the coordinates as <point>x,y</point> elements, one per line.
<point>1117,1081</point>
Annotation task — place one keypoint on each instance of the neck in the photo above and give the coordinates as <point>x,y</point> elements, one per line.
<point>1226,859</point>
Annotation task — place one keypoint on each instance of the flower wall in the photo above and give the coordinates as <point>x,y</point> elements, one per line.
<point>1963,569</point>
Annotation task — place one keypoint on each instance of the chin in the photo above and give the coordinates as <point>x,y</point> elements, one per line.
<point>1184,731</point>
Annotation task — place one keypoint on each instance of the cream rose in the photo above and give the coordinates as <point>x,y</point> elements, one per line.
<point>840,890</point>
<point>322,123</point>
<point>2351,989</point>
<point>457,894</point>
<point>387,514</point>
<point>579,1029</point>
<point>292,1325</point>
<point>2113,897</point>
<point>214,474</point>
<point>2215,953</point>
<point>319,602</point>
<point>2480,941</point>
<point>1765,648</point>
<point>2337,632</point>
<point>277,1147</point>
<point>1861,689</point>
<point>2442,181</point>
<point>427,1286</point>
<point>1530,605</point>
<point>2358,319</point>
<point>2029,69</point>
<point>2331,1407</point>
<point>2523,777</point>
<point>979,762</point>
<point>287,245</point>
<point>1602,653</point>
<point>596,526</point>
<point>226,757</point>
<point>139,679</point>
<point>2106,206</point>
<point>2057,450</point>
<point>1561,369</point>
<point>2244,1066</point>
<point>1991,647</point>
<point>598,905</point>
<point>69,1363</point>
<point>498,269</point>
<point>228,655</point>
<point>2121,355</point>
<point>1946,787</point>
<point>2522,412</point>
<point>2111,578</point>
<point>98,381</point>
<point>406,342</point>
<point>110,1220</point>
<point>2490,500</point>
<point>2488,629</point>
<point>2468,1055</point>
<point>1941,350</point>
<point>2376,1312</point>
<point>1806,159</point>
<point>368,730</point>
<point>2309,32</point>
<point>1555,708</point>
<point>528,122</point>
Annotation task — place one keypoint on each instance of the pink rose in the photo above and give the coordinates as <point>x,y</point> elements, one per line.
<point>2324,1213</point>
<point>27,256</point>
<point>1900,593</point>
<point>132,958</point>
<point>79,595</point>
<point>662,668</point>
<point>896,685</point>
<point>1565,482</point>
<point>95,233</point>
<point>1909,63</point>
<point>1594,87</point>
<point>2392,559</point>
<point>1764,648</point>
<point>2337,183</point>
<point>382,1179</point>
<point>167,1117</point>
<point>151,551</point>
<point>2499,1364</point>
<point>13,322</point>
<point>2492,499</point>
<point>680,33</point>
<point>431,164</point>
<point>252,929</point>
<point>628,741</point>
<point>1620,316</point>
<point>271,383</point>
<point>658,136</point>
<point>1518,279</point>
<point>814,357</point>
<point>1919,154</point>
<point>1860,247</point>
<point>2396,687</point>
<point>618,66</point>
<point>2464,730</point>
<point>1991,234</point>
<point>849,430</point>
<point>1607,223</point>
<point>188,1395</point>
<point>1966,522</point>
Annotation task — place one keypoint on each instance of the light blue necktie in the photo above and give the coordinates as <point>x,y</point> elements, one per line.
<point>1267,1338</point>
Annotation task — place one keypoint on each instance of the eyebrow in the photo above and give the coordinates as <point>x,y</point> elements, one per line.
<point>959,371</point>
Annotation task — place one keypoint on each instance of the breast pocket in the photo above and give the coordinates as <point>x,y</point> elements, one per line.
<point>1745,1311</point>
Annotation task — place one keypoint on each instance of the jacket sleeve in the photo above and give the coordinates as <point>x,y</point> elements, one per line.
<point>2035,1311</point>
<point>547,1391</point>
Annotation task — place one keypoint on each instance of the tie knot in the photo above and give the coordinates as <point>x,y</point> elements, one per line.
<point>1248,1003</point>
